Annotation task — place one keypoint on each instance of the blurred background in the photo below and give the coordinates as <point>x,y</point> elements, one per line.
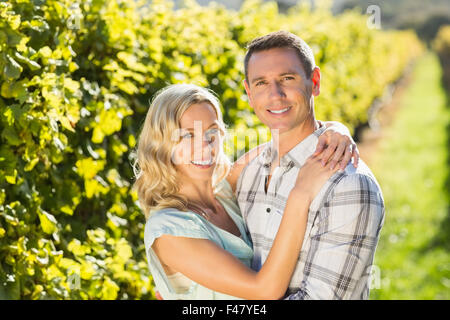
<point>75,83</point>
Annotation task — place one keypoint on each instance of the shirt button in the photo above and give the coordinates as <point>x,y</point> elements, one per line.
<point>268,209</point>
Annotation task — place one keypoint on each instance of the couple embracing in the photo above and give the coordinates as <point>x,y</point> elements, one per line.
<point>294,218</point>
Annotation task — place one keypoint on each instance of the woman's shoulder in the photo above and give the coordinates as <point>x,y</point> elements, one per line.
<point>223,189</point>
<point>174,222</point>
<point>171,217</point>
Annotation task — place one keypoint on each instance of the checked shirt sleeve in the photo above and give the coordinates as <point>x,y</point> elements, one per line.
<point>343,241</point>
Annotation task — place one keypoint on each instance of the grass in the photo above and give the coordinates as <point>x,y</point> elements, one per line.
<point>412,167</point>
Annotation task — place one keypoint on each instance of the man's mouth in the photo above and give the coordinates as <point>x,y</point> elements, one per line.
<point>281,111</point>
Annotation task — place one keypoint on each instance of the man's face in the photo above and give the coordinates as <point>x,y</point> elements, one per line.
<point>279,90</point>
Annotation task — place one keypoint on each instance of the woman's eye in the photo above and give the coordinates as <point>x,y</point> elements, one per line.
<point>186,136</point>
<point>210,135</point>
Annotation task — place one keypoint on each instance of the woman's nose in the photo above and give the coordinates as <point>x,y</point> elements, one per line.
<point>202,148</point>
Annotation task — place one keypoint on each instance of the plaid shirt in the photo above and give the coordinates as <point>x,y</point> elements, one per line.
<point>344,223</point>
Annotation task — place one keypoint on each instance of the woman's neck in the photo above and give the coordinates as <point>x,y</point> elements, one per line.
<point>200,192</point>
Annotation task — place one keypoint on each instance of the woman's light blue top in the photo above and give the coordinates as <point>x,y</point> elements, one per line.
<point>192,225</point>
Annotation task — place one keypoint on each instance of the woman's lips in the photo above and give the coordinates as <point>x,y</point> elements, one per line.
<point>203,164</point>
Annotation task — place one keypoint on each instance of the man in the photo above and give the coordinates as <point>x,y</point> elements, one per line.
<point>345,218</point>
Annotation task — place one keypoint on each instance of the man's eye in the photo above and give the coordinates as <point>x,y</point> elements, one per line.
<point>289,78</point>
<point>259,83</point>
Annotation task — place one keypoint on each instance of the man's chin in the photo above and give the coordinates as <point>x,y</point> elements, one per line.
<point>279,127</point>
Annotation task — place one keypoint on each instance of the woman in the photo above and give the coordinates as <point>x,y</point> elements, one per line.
<point>196,242</point>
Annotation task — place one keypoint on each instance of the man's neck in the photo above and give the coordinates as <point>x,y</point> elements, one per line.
<point>285,141</point>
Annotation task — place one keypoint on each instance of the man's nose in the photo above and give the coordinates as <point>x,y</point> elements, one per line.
<point>276,90</point>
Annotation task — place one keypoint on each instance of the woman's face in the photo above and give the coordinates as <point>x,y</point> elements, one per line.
<point>200,142</point>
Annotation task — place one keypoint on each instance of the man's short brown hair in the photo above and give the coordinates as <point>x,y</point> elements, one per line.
<point>282,39</point>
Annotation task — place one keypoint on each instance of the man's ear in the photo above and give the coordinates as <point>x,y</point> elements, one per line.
<point>247,89</point>
<point>315,78</point>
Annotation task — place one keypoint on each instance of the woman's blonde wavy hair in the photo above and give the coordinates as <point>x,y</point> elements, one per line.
<point>157,182</point>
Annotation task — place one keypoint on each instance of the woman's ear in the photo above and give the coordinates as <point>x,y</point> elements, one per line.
<point>315,78</point>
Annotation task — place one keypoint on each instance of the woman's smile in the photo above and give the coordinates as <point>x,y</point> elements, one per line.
<point>203,164</point>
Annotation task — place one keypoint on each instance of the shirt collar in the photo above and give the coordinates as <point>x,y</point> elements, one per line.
<point>305,148</point>
<point>296,156</point>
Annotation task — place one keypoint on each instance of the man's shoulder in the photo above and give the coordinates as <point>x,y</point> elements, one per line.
<point>351,196</point>
<point>354,185</point>
<point>360,178</point>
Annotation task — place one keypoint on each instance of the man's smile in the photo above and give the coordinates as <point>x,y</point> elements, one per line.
<point>279,111</point>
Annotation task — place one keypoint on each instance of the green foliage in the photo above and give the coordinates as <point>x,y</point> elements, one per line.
<point>441,45</point>
<point>66,207</point>
<point>74,89</point>
<point>413,255</point>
